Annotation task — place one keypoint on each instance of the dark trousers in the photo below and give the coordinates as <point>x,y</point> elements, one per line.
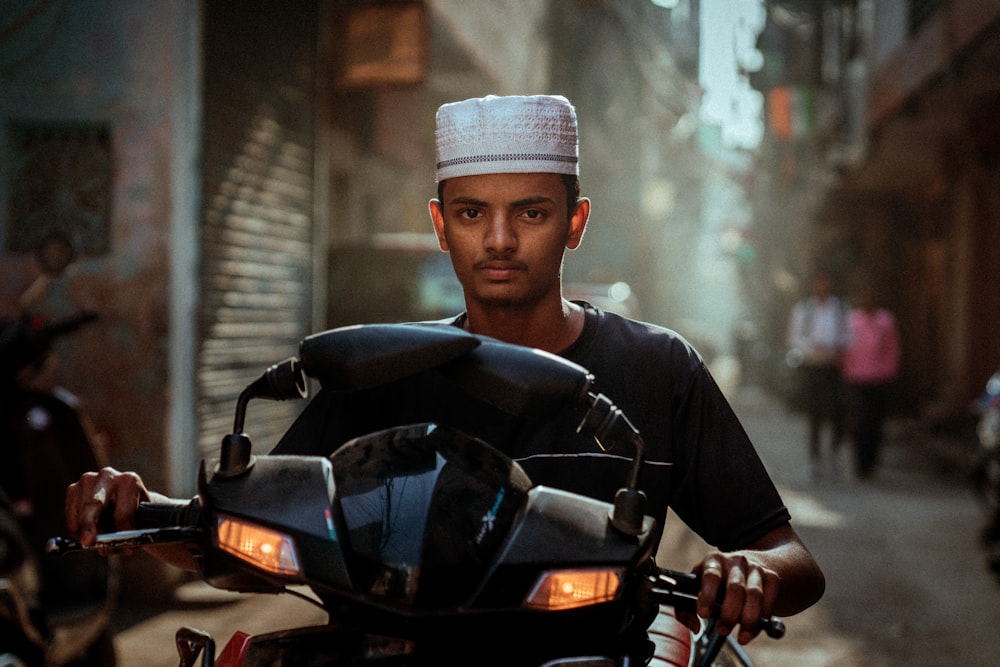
<point>868,404</point>
<point>824,399</point>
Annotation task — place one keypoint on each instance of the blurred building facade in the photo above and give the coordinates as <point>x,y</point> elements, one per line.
<point>242,174</point>
<point>881,160</point>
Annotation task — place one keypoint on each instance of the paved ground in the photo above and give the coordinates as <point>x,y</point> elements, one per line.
<point>907,584</point>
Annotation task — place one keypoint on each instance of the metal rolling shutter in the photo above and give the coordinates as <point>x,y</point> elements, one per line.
<point>258,152</point>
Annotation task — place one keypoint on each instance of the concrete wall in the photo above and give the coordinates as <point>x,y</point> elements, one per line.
<point>509,66</point>
<point>131,66</point>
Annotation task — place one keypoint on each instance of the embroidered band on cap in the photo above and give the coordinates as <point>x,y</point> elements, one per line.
<point>505,135</point>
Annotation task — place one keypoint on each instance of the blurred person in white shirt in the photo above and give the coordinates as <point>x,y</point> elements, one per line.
<point>818,331</point>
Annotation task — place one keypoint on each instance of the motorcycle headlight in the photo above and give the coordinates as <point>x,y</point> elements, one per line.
<point>261,547</point>
<point>568,589</point>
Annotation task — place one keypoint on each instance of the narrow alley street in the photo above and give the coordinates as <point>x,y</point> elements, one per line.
<point>906,581</point>
<point>906,584</point>
<point>205,183</point>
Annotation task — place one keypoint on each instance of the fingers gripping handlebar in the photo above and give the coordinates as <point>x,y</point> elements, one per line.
<point>680,590</point>
<point>159,523</point>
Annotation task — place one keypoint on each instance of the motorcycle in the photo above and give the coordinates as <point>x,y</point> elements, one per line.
<point>987,469</point>
<point>22,642</point>
<point>423,544</point>
<point>55,613</point>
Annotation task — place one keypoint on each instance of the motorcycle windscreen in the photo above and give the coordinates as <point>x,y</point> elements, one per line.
<point>426,508</point>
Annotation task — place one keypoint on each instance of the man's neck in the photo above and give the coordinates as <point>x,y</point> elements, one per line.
<point>552,329</point>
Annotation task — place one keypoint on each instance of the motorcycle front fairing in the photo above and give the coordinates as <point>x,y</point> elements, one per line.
<point>421,538</point>
<point>437,540</point>
<point>436,518</point>
<point>272,526</point>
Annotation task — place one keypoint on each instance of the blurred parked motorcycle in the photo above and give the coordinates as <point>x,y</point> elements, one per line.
<point>54,613</point>
<point>987,406</point>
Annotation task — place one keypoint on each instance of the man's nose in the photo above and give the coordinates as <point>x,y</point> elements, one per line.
<point>500,234</point>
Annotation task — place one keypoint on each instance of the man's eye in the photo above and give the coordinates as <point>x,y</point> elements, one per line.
<point>534,214</point>
<point>469,214</point>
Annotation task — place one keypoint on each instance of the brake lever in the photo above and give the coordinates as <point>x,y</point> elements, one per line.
<point>680,590</point>
<point>125,539</point>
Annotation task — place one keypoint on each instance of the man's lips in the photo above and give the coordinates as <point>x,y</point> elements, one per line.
<point>499,269</point>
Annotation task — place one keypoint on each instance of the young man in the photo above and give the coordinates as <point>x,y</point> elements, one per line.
<point>507,210</point>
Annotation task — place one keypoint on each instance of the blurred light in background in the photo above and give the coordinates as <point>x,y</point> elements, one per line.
<point>729,30</point>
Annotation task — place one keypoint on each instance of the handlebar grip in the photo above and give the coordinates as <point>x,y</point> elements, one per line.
<point>169,514</point>
<point>158,523</point>
<point>680,589</point>
<point>70,324</point>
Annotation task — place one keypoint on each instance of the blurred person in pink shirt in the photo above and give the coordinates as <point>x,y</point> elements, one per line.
<point>869,366</point>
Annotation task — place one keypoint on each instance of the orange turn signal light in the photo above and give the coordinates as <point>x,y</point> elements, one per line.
<point>261,547</point>
<point>568,589</point>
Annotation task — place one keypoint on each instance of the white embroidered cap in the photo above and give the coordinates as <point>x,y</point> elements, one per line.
<point>507,135</point>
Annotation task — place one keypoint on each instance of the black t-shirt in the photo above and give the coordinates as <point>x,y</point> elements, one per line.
<point>699,460</point>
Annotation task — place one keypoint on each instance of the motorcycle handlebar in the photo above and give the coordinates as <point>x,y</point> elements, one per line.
<point>680,591</point>
<point>159,523</point>
<point>175,514</point>
<point>70,324</point>
<point>27,340</point>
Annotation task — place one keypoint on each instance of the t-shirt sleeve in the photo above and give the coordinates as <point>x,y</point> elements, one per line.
<point>721,488</point>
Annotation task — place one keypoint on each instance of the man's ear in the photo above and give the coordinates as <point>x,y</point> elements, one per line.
<point>437,219</point>
<point>578,223</point>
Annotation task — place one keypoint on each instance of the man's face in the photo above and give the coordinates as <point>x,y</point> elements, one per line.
<point>506,234</point>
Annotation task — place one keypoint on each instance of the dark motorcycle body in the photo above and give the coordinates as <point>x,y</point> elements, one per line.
<point>47,444</point>
<point>424,545</point>
<point>22,642</point>
<point>987,406</point>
